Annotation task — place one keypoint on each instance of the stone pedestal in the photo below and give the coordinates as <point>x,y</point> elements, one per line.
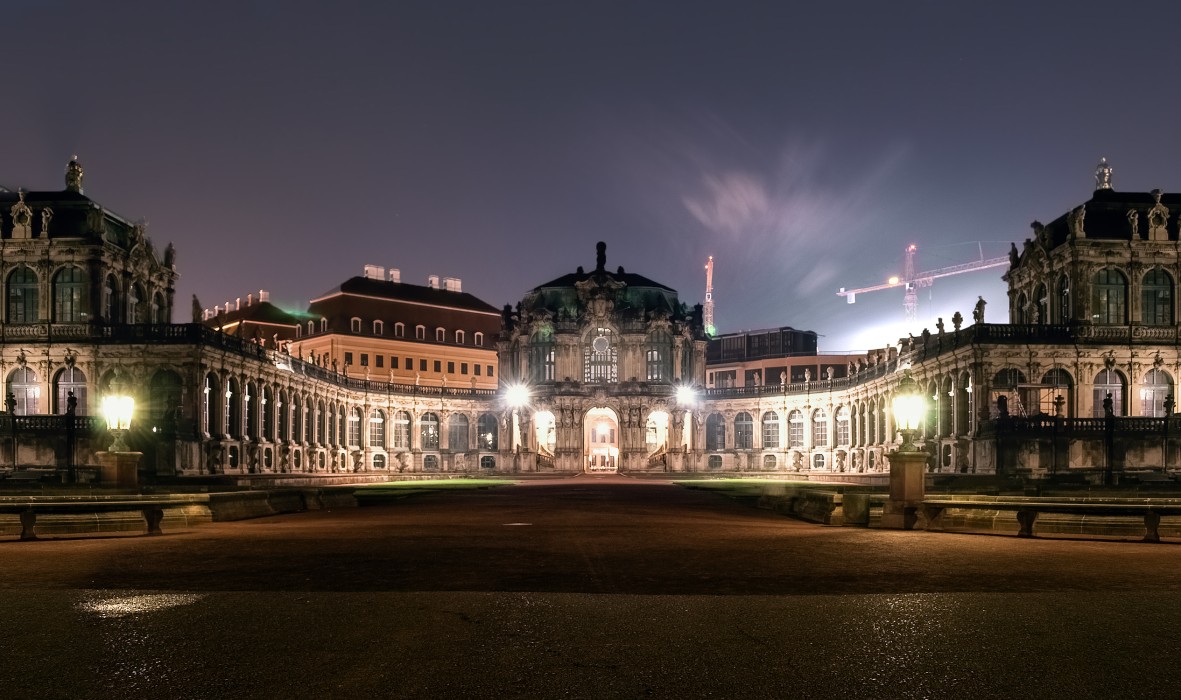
<point>119,469</point>
<point>906,489</point>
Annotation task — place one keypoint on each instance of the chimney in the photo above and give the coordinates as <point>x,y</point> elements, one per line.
<point>238,304</point>
<point>453,284</point>
<point>395,275</point>
<point>374,272</point>
<point>432,281</point>
<point>250,299</point>
<point>217,310</point>
<point>205,315</point>
<point>263,295</point>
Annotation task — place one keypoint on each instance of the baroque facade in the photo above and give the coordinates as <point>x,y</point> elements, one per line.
<point>597,370</point>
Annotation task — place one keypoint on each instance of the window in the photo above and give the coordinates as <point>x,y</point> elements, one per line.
<point>22,295</point>
<point>477,368</point>
<point>843,423</point>
<point>715,432</point>
<point>109,306</point>
<point>600,356</point>
<point>379,360</point>
<point>377,430</point>
<point>355,428</point>
<point>430,463</point>
<point>1021,310</point>
<point>657,356</point>
<point>541,360</point>
<point>428,431</point>
<point>439,366</point>
<point>72,380</point>
<point>1057,382</point>
<point>422,364</point>
<point>399,330</point>
<point>420,332</point>
<point>394,362</point>
<point>1109,381</point>
<point>487,462</point>
<point>22,383</point>
<point>714,463</point>
<point>311,327</point>
<point>68,287</point>
<point>1109,298</point>
<point>771,430</point>
<point>159,310</point>
<point>134,296</point>
<point>459,337</point>
<point>379,461</point>
<point>450,368</point>
<point>1063,294</point>
<point>348,358</point>
<point>818,461</point>
<point>1041,305</point>
<point>1156,296</point>
<point>486,432</point>
<point>401,430</point>
<point>478,339</point>
<point>743,431</point>
<point>463,368</point>
<point>440,335</point>
<point>364,359</point>
<point>795,429</point>
<point>1157,385</point>
<point>354,325</point>
<point>378,328</point>
<point>232,410</point>
<point>820,428</point>
<point>323,325</point>
<point>457,433</point>
<point>489,370</point>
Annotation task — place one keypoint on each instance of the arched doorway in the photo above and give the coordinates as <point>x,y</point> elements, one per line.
<point>601,441</point>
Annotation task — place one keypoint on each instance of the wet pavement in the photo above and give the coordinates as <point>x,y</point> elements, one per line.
<point>584,588</point>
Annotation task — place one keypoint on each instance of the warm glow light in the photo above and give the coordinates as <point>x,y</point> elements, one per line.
<point>686,396</point>
<point>118,411</point>
<point>893,280</point>
<point>909,406</point>
<point>516,395</point>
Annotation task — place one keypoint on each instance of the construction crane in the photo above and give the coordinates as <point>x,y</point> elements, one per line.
<point>912,280</point>
<point>708,314</point>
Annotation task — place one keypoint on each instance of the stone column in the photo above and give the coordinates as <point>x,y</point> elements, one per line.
<point>906,489</point>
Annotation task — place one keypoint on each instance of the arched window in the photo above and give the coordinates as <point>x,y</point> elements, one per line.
<point>541,355</point>
<point>1007,383</point>
<point>460,336</point>
<point>159,309</point>
<point>872,422</point>
<point>457,433</point>
<point>323,325</point>
<point>1109,298</point>
<point>600,356</point>
<point>843,425</point>
<point>354,325</point>
<point>1109,381</point>
<point>440,335</point>
<point>378,328</point>
<point>478,339</point>
<point>658,357</point>
<point>487,432</point>
<point>69,289</point>
<point>1156,296</point>
<point>110,305</point>
<point>164,399</point>
<point>298,413</point>
<point>318,417</point>
<point>135,307</point>
<point>1021,309</point>
<point>1065,312</point>
<point>311,327</point>
<point>250,410</point>
<point>769,462</point>
<point>282,411</point>
<point>795,429</point>
<point>266,403</point>
<point>379,461</point>
<point>22,384</point>
<point>818,461</point>
<point>1057,382</point>
<point>354,438</point>
<point>771,431</point>
<point>209,404</point>
<point>377,431</point>
<point>70,379</point>
<point>715,432</point>
<point>428,431</point>
<point>744,431</point>
<point>430,463</point>
<point>22,295</point>
<point>963,404</point>
<point>399,329</point>
<point>420,332</point>
<point>819,428</point>
<point>1157,386</point>
<point>401,430</point>
<point>232,410</point>
<point>1041,305</point>
<point>714,462</point>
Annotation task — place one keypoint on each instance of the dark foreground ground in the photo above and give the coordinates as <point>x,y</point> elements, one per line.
<point>585,589</point>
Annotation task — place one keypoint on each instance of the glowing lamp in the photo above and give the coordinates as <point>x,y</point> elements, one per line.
<point>909,407</point>
<point>516,395</point>
<point>892,280</point>
<point>686,396</point>
<point>118,410</point>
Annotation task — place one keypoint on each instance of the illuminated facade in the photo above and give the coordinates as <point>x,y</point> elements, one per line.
<point>596,371</point>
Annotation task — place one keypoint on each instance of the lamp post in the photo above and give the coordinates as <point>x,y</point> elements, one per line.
<point>118,465</point>
<point>908,460</point>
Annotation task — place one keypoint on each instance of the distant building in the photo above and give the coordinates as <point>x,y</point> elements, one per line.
<point>388,330</point>
<point>772,356</point>
<point>256,319</point>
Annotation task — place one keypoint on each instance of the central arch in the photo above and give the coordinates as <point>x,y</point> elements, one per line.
<point>601,441</point>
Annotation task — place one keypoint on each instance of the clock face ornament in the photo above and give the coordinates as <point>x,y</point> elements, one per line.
<point>600,344</point>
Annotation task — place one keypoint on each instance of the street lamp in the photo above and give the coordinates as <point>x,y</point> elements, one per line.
<point>118,409</point>
<point>909,406</point>
<point>686,396</point>
<point>906,462</point>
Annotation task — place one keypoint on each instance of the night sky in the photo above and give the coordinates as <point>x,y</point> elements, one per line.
<point>283,145</point>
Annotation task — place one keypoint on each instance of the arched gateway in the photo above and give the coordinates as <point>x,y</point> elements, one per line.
<point>601,440</point>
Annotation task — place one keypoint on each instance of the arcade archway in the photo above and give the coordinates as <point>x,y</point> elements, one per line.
<point>601,441</point>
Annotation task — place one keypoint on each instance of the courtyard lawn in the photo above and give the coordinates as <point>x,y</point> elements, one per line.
<point>403,489</point>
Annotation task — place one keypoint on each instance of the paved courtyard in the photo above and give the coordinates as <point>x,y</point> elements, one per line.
<point>583,588</point>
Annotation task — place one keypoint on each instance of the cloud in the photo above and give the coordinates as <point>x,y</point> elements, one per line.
<point>732,204</point>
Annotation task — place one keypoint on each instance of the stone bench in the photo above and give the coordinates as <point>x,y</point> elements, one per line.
<point>1028,511</point>
<point>29,510</point>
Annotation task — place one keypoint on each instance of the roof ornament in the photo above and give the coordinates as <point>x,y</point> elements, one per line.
<point>600,256</point>
<point>74,176</point>
<point>1103,175</point>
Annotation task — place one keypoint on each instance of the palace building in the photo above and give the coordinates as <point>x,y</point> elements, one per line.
<point>597,370</point>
